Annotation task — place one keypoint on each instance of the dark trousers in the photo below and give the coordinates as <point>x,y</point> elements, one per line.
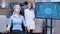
<point>31,31</point>
<point>16,32</point>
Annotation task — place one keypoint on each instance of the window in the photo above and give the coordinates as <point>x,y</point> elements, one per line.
<point>3,5</point>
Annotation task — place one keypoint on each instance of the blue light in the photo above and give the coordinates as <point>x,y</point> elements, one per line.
<point>47,10</point>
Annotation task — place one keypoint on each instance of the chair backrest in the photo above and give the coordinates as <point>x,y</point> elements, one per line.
<point>12,4</point>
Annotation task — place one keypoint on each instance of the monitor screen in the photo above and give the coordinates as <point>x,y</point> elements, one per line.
<point>47,10</point>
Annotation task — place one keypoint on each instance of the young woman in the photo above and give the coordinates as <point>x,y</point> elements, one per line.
<point>30,18</point>
<point>17,20</point>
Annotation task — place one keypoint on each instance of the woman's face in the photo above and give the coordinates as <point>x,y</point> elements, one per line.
<point>29,6</point>
<point>17,9</point>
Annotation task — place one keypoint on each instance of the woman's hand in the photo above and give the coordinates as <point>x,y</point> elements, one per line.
<point>28,29</point>
<point>7,30</point>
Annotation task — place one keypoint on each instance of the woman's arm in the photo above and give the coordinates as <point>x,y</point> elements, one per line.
<point>9,25</point>
<point>34,15</point>
<point>24,22</point>
<point>26,18</point>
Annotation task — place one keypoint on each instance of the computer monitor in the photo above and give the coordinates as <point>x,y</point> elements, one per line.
<point>47,10</point>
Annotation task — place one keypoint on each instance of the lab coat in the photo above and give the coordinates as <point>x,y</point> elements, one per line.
<point>30,18</point>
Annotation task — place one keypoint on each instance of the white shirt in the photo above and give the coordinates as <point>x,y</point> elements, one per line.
<point>30,18</point>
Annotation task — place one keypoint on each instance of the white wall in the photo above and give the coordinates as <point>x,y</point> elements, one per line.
<point>55,0</point>
<point>3,23</point>
<point>46,0</point>
<point>57,27</point>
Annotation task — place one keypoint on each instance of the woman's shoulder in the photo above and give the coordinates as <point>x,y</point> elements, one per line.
<point>12,16</point>
<point>21,16</point>
<point>26,9</point>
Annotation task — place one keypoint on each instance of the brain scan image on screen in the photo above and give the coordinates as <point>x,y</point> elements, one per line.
<point>47,10</point>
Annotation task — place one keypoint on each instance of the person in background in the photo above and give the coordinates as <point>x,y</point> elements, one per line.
<point>17,20</point>
<point>23,7</point>
<point>30,18</point>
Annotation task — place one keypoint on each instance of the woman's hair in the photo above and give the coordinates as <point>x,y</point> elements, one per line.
<point>31,5</point>
<point>26,3</point>
<point>15,7</point>
<point>21,4</point>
